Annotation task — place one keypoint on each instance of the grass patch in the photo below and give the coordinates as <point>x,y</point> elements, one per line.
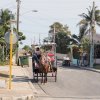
<point>2,63</point>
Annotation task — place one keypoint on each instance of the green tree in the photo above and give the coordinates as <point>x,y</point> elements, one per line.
<point>27,48</point>
<point>61,33</point>
<point>63,37</point>
<point>4,27</point>
<point>58,27</point>
<point>21,36</point>
<point>85,44</point>
<point>4,21</point>
<point>62,42</point>
<point>5,16</point>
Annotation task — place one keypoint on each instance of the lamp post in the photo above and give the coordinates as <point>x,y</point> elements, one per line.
<point>92,35</point>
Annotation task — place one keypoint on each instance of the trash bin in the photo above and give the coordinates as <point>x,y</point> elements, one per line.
<point>24,60</point>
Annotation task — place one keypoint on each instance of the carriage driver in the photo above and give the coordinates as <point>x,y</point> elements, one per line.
<point>36,55</point>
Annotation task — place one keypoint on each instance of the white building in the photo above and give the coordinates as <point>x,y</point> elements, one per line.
<point>96,39</point>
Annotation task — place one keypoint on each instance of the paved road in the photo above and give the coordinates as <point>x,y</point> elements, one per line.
<point>72,84</point>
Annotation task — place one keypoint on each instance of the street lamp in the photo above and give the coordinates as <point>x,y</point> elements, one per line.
<point>28,12</point>
<point>34,11</point>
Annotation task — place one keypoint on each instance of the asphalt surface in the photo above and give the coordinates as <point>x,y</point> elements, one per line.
<point>72,84</point>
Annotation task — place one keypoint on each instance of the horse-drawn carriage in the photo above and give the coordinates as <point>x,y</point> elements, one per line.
<point>47,66</point>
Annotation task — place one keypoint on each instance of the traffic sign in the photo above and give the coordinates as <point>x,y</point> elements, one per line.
<point>14,37</point>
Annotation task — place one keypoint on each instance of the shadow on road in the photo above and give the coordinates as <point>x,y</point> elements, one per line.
<point>4,75</point>
<point>20,79</point>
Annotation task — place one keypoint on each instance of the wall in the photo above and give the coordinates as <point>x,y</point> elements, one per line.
<point>97,61</point>
<point>60,56</point>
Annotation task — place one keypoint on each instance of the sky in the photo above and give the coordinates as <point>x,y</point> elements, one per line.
<point>37,24</point>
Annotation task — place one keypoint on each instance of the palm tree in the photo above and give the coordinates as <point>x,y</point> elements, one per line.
<point>87,26</point>
<point>85,23</point>
<point>5,16</point>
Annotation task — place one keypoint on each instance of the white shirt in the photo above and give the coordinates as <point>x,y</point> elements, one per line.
<point>38,52</point>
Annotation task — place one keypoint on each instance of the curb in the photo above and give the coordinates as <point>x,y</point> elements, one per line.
<point>31,97</point>
<point>32,87</point>
<point>30,84</point>
<point>91,69</point>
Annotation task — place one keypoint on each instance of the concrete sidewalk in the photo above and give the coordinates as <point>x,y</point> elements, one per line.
<point>91,69</point>
<point>22,88</point>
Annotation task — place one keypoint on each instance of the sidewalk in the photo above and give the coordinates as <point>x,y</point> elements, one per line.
<point>22,88</point>
<point>91,69</point>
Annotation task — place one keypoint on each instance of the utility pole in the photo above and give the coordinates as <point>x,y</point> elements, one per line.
<point>92,36</point>
<point>54,34</point>
<point>18,8</point>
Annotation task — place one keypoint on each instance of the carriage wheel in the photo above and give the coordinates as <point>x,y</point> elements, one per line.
<point>55,76</point>
<point>37,76</point>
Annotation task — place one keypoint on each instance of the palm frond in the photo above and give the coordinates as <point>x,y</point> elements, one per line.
<point>82,22</point>
<point>89,12</point>
<point>85,16</point>
<point>75,36</point>
<point>83,31</point>
<point>85,23</point>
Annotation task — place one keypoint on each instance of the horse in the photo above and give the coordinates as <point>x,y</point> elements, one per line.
<point>44,68</point>
<point>41,68</point>
<point>46,65</point>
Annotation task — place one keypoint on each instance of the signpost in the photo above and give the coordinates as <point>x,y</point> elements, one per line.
<point>11,38</point>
